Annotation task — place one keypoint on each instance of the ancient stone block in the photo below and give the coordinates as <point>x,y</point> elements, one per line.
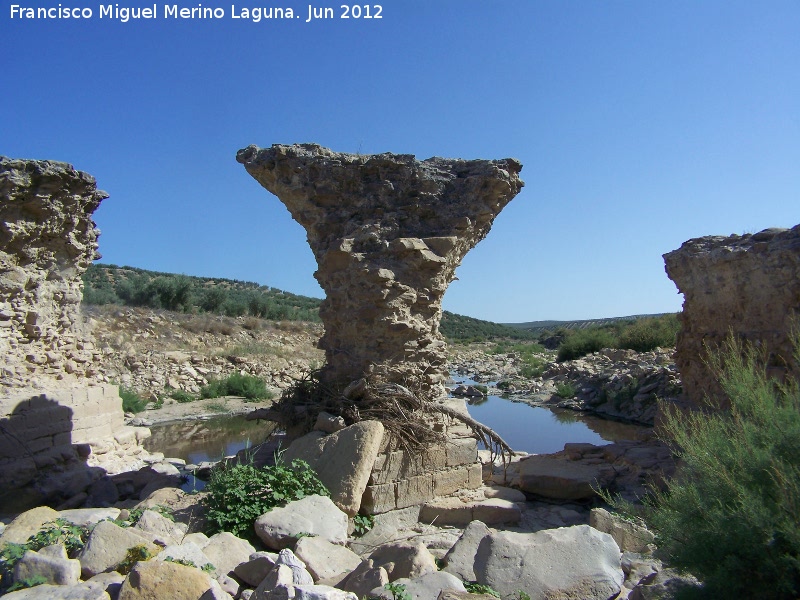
<point>394,229</point>
<point>450,481</point>
<point>462,451</point>
<point>379,498</point>
<point>414,490</point>
<point>747,285</point>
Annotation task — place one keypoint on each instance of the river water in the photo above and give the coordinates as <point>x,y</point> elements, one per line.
<point>532,429</point>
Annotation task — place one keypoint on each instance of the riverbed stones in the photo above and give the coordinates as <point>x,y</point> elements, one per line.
<point>27,524</point>
<point>364,578</point>
<point>425,587</point>
<point>108,546</point>
<point>50,563</point>
<point>405,559</point>
<point>570,562</point>
<point>388,232</point>
<point>460,559</point>
<point>315,515</point>
<point>342,460</point>
<point>629,536</point>
<point>157,580</point>
<point>556,477</point>
<point>326,561</point>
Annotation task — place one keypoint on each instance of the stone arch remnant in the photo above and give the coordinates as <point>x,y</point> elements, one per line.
<point>388,232</point>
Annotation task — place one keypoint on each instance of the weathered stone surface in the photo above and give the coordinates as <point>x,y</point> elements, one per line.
<point>629,536</point>
<point>325,560</point>
<point>460,559</point>
<point>556,477</point>
<point>89,516</point>
<point>747,285</point>
<point>27,524</point>
<point>364,578</point>
<point>107,546</point>
<point>188,551</point>
<point>321,592</point>
<point>300,575</point>
<point>257,567</point>
<point>162,530</point>
<point>425,587</point>
<point>226,551</point>
<point>571,562</point>
<point>388,232</point>
<point>157,580</point>
<point>454,511</point>
<point>316,515</point>
<point>47,240</point>
<point>404,559</point>
<point>342,460</point>
<point>89,590</point>
<point>55,567</point>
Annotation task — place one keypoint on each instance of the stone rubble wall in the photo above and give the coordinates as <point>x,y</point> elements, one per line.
<point>747,285</point>
<point>56,421</point>
<point>47,240</point>
<point>400,480</point>
<point>62,428</point>
<point>388,232</point>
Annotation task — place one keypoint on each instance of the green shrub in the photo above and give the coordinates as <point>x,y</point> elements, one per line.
<point>182,396</point>
<point>131,401</point>
<point>732,517</point>
<point>246,386</point>
<point>586,341</point>
<point>565,390</point>
<point>645,335</point>
<point>362,524</point>
<point>238,494</point>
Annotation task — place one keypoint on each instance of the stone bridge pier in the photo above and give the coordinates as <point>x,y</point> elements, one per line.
<point>388,232</point>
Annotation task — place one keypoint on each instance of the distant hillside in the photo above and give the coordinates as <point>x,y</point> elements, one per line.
<point>537,327</point>
<point>130,286</point>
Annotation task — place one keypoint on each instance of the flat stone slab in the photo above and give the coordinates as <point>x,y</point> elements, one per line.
<point>342,460</point>
<point>452,511</point>
<point>558,478</point>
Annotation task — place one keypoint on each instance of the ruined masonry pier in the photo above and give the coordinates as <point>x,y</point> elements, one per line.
<point>388,232</point>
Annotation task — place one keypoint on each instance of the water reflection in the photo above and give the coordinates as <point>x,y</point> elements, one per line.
<point>542,430</point>
<point>207,440</point>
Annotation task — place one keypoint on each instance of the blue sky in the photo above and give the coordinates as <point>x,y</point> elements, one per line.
<point>640,124</point>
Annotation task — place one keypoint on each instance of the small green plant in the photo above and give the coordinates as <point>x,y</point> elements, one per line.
<point>216,406</point>
<point>398,591</point>
<point>239,493</point>
<point>27,583</point>
<point>182,396</point>
<point>59,531</point>
<point>158,404</point>
<point>521,595</point>
<point>565,390</point>
<point>362,524</point>
<point>131,401</point>
<point>474,587</point>
<point>237,384</point>
<point>134,555</point>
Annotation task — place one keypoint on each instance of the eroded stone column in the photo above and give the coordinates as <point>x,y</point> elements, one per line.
<point>388,232</point>
<point>747,285</point>
<point>47,241</point>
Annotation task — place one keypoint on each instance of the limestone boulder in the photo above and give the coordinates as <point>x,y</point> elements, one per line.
<point>226,551</point>
<point>629,536</point>
<point>188,551</point>
<point>326,561</point>
<point>315,515</point>
<point>321,592</point>
<point>364,578</point>
<point>406,559</point>
<point>570,562</point>
<point>158,580</point>
<point>426,587</point>
<point>162,531</point>
<point>300,575</point>
<point>557,478</point>
<point>460,559</point>
<point>107,547</point>
<point>256,568</point>
<point>50,563</point>
<point>27,524</point>
<point>342,460</point>
<point>89,590</point>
